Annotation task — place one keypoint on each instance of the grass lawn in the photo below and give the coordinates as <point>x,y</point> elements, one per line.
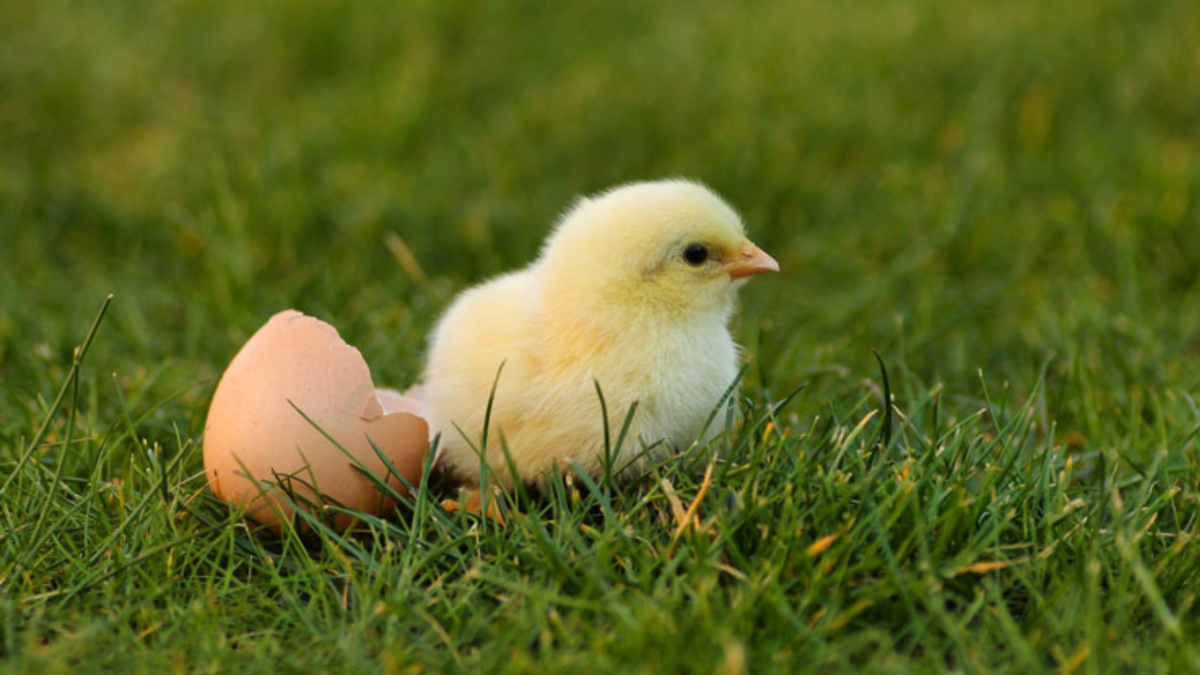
<point>1000,198</point>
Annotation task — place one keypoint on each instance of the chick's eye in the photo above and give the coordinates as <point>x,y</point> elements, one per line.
<point>695,254</point>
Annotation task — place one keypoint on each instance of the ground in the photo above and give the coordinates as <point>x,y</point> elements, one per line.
<point>1001,199</point>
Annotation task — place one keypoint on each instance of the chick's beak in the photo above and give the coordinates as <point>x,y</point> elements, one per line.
<point>751,260</point>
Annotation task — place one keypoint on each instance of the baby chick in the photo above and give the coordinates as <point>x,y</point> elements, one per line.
<point>633,290</point>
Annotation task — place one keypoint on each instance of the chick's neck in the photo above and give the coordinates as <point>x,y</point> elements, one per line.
<point>608,315</point>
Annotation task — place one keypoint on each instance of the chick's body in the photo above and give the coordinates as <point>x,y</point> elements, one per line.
<point>633,290</point>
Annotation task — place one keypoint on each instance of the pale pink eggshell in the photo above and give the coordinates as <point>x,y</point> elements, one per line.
<point>254,434</point>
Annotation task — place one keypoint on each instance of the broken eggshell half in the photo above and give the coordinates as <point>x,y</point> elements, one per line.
<point>259,450</point>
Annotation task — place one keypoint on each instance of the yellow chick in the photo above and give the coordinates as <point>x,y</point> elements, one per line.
<point>633,290</point>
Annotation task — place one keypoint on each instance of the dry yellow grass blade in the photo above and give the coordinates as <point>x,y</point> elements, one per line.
<point>818,547</point>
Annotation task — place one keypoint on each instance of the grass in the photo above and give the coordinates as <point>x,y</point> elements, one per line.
<point>1002,199</point>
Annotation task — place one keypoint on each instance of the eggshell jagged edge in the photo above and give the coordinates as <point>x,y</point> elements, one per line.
<point>351,394</point>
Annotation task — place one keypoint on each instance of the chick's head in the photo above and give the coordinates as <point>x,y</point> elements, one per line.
<point>666,248</point>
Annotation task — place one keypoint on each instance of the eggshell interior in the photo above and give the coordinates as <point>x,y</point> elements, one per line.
<point>256,442</point>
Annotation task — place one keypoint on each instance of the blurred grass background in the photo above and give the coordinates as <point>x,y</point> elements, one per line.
<point>963,186</point>
<point>1008,180</point>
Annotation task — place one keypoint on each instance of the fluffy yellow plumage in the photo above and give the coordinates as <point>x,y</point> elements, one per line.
<point>634,289</point>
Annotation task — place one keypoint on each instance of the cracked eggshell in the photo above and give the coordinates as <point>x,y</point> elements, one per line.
<point>254,438</point>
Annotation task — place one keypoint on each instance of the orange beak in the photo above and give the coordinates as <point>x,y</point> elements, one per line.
<point>751,260</point>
